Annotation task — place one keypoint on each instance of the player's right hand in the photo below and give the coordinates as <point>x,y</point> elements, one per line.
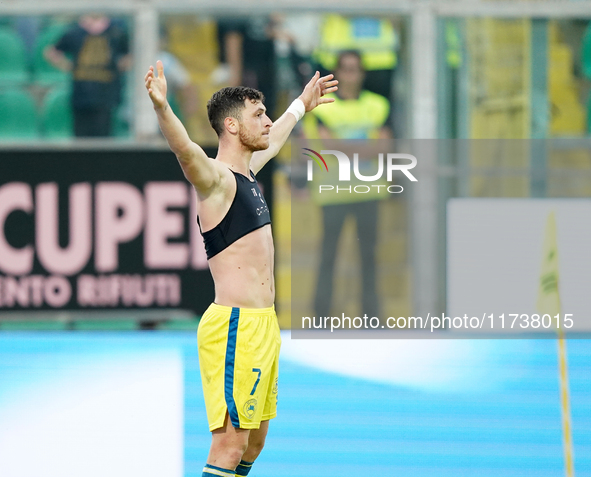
<point>156,85</point>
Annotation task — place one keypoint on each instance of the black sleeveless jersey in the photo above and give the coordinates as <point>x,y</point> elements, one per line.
<point>248,212</point>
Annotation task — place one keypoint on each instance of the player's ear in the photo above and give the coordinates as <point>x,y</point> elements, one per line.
<point>231,125</point>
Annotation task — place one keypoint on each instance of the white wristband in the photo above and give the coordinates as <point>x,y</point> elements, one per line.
<point>297,108</point>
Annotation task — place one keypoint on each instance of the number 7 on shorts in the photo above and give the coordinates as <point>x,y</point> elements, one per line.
<point>254,388</point>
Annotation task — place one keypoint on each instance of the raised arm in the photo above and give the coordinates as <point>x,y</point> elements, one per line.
<point>199,169</point>
<point>312,96</point>
<point>57,58</point>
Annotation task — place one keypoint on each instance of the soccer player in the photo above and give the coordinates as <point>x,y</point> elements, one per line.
<point>238,338</point>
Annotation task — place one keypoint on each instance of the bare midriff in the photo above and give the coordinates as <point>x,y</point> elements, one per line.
<point>243,272</point>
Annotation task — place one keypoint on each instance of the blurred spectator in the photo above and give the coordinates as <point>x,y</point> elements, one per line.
<point>376,40</point>
<point>182,92</point>
<point>362,115</point>
<point>247,55</point>
<point>296,37</point>
<point>99,49</point>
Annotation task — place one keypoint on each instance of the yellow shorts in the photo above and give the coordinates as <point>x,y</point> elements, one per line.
<point>239,361</point>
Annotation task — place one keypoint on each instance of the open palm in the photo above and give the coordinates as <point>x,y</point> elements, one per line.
<point>317,87</point>
<point>156,85</point>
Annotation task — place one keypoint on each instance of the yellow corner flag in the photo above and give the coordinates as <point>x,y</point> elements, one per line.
<point>548,297</point>
<point>549,303</point>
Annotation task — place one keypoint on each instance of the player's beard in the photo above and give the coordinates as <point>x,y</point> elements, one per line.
<point>252,142</point>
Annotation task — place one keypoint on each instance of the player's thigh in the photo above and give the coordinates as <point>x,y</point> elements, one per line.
<point>255,372</point>
<point>256,442</point>
<point>228,445</point>
<point>229,437</point>
<point>271,391</point>
<point>259,434</point>
<point>212,340</point>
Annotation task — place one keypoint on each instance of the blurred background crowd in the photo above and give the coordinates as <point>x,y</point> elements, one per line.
<point>51,74</point>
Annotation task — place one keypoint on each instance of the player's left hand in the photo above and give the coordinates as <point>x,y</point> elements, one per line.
<point>156,85</point>
<point>316,89</point>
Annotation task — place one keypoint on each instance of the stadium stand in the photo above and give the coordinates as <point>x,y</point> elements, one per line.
<point>19,114</point>
<point>13,68</point>
<point>56,114</point>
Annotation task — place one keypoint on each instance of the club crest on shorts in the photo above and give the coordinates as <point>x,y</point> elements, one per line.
<point>250,407</point>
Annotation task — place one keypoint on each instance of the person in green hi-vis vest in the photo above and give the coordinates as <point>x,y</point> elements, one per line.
<point>375,39</point>
<point>360,115</point>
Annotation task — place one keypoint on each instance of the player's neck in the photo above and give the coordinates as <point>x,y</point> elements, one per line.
<point>236,157</point>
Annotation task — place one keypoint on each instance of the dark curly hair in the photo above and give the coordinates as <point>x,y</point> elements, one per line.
<point>229,102</point>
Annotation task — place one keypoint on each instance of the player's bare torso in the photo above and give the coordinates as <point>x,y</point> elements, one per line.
<point>243,272</point>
